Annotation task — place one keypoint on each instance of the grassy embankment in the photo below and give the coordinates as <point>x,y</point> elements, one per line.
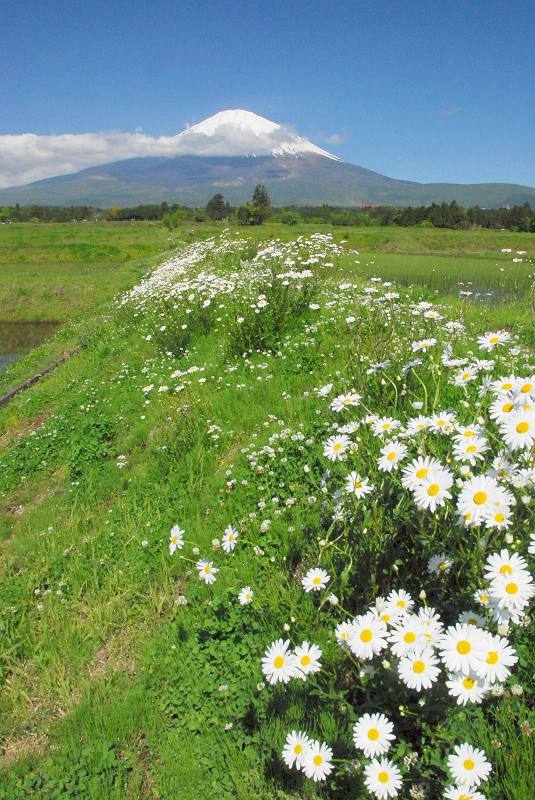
<point>112,688</point>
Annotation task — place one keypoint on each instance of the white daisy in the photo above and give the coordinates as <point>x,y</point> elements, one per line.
<point>503,565</point>
<point>343,631</point>
<point>513,592</point>
<point>367,637</point>
<point>496,658</point>
<point>206,570</point>
<point>335,447</point>
<point>229,539</point>
<point>391,455</point>
<point>433,491</point>
<point>468,765</point>
<point>400,600</point>
<point>470,450</point>
<point>443,422</point>
<point>439,564</point>
<point>493,339</point>
<point>469,688</point>
<point>307,659</point>
<point>418,669</point>
<point>518,430</point>
<point>176,539</point>
<point>345,400</point>
<point>315,579</point>
<point>383,778</point>
<point>384,425</point>
<point>278,664</point>
<point>479,497</point>
<point>501,409</point>
<point>295,749</point>
<point>317,763</point>
<point>461,648</point>
<point>406,635</point>
<point>357,486</point>
<point>245,596</point>
<point>418,471</point>
<point>373,734</point>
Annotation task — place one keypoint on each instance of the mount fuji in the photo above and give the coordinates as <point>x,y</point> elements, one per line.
<point>231,152</point>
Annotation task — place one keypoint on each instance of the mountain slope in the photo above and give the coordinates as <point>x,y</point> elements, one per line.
<point>233,151</point>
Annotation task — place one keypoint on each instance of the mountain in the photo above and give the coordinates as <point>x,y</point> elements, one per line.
<point>233,151</point>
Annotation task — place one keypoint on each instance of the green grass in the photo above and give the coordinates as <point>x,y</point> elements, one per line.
<point>111,686</point>
<point>53,272</point>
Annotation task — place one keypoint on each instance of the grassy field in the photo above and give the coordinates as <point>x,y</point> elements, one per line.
<point>124,675</point>
<point>52,272</point>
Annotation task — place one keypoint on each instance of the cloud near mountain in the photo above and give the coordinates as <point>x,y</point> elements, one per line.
<point>29,157</point>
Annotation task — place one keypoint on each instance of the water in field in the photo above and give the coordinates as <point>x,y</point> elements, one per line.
<point>18,338</point>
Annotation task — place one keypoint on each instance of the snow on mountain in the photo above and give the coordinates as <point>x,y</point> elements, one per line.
<point>28,156</point>
<point>237,132</point>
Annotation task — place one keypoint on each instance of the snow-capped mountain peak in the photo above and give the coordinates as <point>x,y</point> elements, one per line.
<point>237,132</point>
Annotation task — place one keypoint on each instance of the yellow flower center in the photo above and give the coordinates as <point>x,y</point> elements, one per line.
<point>466,375</point>
<point>469,433</point>
<point>373,734</point>
<point>366,635</point>
<point>422,473</point>
<point>409,637</point>
<point>401,604</point>
<point>494,340</point>
<point>383,777</point>
<point>298,749</point>
<point>507,385</point>
<point>305,660</point>
<point>386,426</point>
<point>492,657</point>
<point>442,565</point>
<point>385,617</point>
<point>316,580</point>
<point>480,498</point>
<point>499,517</point>
<point>278,662</point>
<point>464,647</point>
<point>358,485</point>
<point>468,764</point>
<point>522,427</point>
<point>418,666</point>
<point>471,449</point>
<point>468,683</point>
<point>526,388</point>
<point>507,407</point>
<point>318,760</point>
<point>391,456</point>
<point>505,569</point>
<point>207,569</point>
<point>511,588</point>
<point>441,422</point>
<point>433,490</point>
<point>337,446</point>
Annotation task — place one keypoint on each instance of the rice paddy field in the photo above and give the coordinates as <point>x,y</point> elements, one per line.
<point>269,531</point>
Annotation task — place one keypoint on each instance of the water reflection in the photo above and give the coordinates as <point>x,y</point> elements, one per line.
<point>18,338</point>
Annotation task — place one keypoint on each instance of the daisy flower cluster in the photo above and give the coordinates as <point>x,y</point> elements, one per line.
<point>449,455</point>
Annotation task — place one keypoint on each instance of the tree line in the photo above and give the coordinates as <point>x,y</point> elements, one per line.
<point>259,210</point>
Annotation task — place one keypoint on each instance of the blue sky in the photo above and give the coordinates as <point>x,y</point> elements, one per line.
<point>427,91</point>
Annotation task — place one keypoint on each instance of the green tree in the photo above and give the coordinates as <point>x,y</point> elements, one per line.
<point>261,197</point>
<point>216,208</point>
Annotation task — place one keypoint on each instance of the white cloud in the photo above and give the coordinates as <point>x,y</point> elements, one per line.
<point>335,138</point>
<point>29,157</point>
